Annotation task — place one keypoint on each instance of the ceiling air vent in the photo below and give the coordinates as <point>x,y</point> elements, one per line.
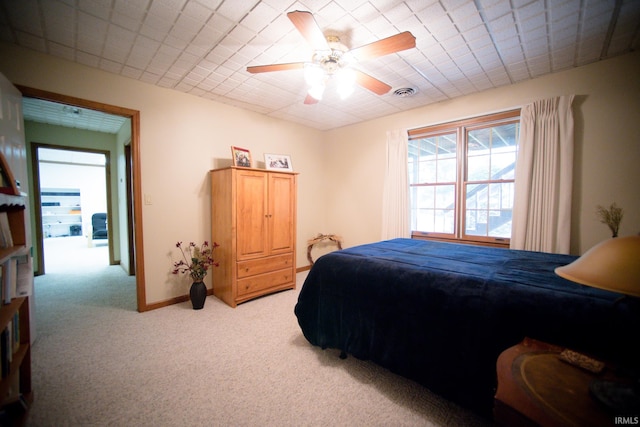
<point>405,92</point>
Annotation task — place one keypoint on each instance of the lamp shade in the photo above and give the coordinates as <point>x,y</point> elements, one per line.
<point>613,265</point>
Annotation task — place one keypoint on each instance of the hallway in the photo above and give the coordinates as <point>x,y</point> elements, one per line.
<point>72,253</point>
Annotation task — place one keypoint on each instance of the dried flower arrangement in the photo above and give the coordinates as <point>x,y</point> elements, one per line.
<point>611,216</point>
<point>197,260</point>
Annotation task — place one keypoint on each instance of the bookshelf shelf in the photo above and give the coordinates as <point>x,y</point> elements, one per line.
<point>8,310</point>
<point>10,200</point>
<point>6,253</point>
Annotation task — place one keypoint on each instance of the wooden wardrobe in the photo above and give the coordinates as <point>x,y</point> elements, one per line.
<point>253,214</point>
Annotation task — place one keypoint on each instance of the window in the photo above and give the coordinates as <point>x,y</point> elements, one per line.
<point>461,178</point>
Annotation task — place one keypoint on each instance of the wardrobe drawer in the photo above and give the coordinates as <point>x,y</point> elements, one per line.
<point>265,281</point>
<point>264,265</point>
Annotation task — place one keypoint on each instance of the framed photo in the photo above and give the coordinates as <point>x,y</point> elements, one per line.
<point>278,162</point>
<point>241,157</point>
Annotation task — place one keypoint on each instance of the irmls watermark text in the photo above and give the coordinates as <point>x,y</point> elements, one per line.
<point>626,421</point>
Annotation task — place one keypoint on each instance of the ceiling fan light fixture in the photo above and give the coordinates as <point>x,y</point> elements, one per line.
<point>314,75</point>
<point>320,56</point>
<point>345,92</point>
<point>346,80</point>
<point>317,91</point>
<point>348,59</point>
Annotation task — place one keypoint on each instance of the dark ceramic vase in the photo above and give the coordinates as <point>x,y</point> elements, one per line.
<point>197,294</point>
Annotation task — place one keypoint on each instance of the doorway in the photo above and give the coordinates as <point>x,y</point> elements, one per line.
<point>72,188</point>
<point>134,226</point>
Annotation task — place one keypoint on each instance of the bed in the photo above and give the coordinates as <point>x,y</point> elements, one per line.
<point>441,313</point>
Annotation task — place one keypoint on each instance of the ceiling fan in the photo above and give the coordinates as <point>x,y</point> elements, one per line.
<point>332,59</point>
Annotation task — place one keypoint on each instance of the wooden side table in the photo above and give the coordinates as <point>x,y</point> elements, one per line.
<point>536,388</point>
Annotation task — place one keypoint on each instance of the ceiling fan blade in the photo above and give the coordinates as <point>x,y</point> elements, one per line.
<point>307,26</point>
<point>383,47</point>
<point>275,67</point>
<point>310,100</point>
<point>371,83</point>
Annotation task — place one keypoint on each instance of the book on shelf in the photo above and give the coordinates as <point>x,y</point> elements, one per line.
<point>9,280</point>
<point>16,277</point>
<point>15,344</point>
<point>24,280</point>
<point>9,344</point>
<point>6,240</point>
<point>5,352</point>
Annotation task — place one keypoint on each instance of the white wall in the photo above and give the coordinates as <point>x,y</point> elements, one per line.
<point>90,180</point>
<point>182,137</point>
<point>607,149</point>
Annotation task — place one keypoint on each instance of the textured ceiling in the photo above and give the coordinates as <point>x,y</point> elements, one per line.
<point>203,47</point>
<point>53,113</point>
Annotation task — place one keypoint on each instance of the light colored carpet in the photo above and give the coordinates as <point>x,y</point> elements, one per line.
<point>98,362</point>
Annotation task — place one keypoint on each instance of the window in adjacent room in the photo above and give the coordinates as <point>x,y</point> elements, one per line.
<point>461,179</point>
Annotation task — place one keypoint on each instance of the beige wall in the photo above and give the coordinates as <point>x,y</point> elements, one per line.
<point>607,149</point>
<point>182,137</point>
<point>340,181</point>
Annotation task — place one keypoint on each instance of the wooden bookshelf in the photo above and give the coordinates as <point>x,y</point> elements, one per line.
<point>16,393</point>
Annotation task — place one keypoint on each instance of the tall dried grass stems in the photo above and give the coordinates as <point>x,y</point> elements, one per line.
<point>611,216</point>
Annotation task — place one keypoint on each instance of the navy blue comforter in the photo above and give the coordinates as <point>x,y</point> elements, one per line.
<point>441,313</point>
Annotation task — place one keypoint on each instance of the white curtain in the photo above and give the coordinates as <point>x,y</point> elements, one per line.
<point>395,198</point>
<point>544,170</point>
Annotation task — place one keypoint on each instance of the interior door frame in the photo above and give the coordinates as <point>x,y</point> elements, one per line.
<point>130,219</point>
<point>135,226</point>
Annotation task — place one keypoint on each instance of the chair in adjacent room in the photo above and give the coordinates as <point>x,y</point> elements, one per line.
<point>99,222</point>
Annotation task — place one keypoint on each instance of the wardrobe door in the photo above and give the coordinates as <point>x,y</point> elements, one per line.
<point>281,213</point>
<point>251,214</point>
